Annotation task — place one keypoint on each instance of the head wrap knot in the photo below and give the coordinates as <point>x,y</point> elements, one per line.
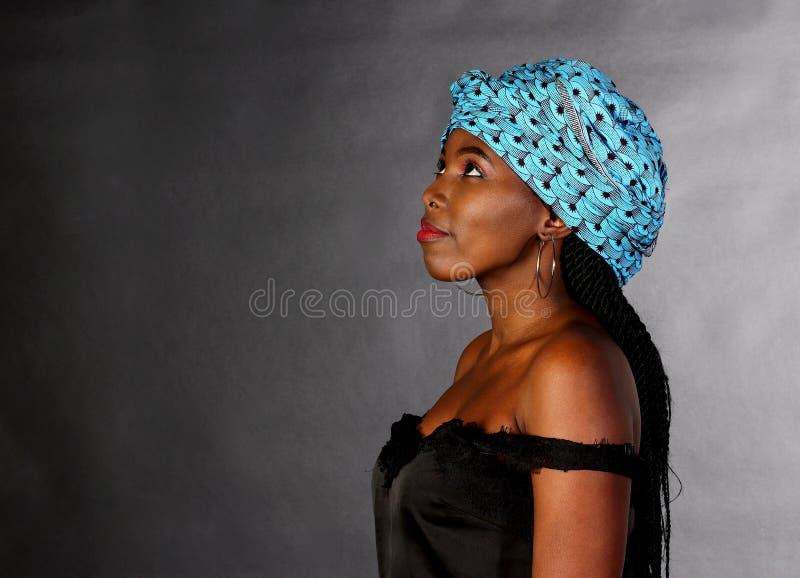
<point>585,149</point>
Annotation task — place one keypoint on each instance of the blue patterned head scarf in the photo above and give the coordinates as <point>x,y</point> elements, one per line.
<point>586,150</point>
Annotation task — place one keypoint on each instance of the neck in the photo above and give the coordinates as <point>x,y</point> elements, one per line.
<point>517,310</point>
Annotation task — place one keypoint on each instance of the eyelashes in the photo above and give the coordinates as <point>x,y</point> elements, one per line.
<point>468,168</point>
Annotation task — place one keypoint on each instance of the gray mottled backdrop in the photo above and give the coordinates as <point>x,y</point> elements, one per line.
<point>163,165</point>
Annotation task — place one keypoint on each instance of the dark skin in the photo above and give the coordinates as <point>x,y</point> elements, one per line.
<point>546,367</point>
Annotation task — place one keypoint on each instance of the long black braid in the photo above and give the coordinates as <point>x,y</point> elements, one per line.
<point>590,281</point>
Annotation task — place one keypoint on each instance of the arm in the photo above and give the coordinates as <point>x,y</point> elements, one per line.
<point>579,389</point>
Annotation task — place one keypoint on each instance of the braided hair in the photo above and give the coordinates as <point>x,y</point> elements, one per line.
<point>591,281</point>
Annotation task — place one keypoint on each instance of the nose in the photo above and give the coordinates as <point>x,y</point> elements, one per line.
<point>432,197</point>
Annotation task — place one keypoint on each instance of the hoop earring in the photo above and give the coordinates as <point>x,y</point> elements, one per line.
<point>552,269</point>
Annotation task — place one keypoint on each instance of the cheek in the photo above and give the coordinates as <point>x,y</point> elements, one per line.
<point>496,223</point>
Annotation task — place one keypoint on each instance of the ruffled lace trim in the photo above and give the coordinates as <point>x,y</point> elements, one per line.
<point>520,452</point>
<point>401,448</point>
<point>493,469</point>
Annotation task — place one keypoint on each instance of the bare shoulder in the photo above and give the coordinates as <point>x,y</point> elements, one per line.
<point>470,354</point>
<point>580,387</point>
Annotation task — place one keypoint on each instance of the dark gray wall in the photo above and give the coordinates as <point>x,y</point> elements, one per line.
<point>161,162</point>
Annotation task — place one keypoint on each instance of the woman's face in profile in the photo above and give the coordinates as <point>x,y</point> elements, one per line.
<point>488,212</point>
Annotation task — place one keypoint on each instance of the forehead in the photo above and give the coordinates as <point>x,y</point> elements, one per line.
<point>461,142</point>
<point>460,137</point>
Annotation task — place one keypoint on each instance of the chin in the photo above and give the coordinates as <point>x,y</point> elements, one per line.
<point>448,270</point>
<point>437,268</point>
<point>439,275</point>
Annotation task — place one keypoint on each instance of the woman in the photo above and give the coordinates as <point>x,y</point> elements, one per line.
<point>547,456</point>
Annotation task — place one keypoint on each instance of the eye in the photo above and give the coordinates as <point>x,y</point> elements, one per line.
<point>469,168</point>
<point>472,167</point>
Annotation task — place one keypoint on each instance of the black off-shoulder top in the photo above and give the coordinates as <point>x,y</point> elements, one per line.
<point>459,502</point>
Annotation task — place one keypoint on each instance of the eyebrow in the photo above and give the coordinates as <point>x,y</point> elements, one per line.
<point>475,150</point>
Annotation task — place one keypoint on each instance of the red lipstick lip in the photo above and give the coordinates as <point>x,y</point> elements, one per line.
<point>428,232</point>
<point>426,226</point>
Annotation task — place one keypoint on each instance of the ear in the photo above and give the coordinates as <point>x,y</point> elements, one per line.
<point>554,226</point>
